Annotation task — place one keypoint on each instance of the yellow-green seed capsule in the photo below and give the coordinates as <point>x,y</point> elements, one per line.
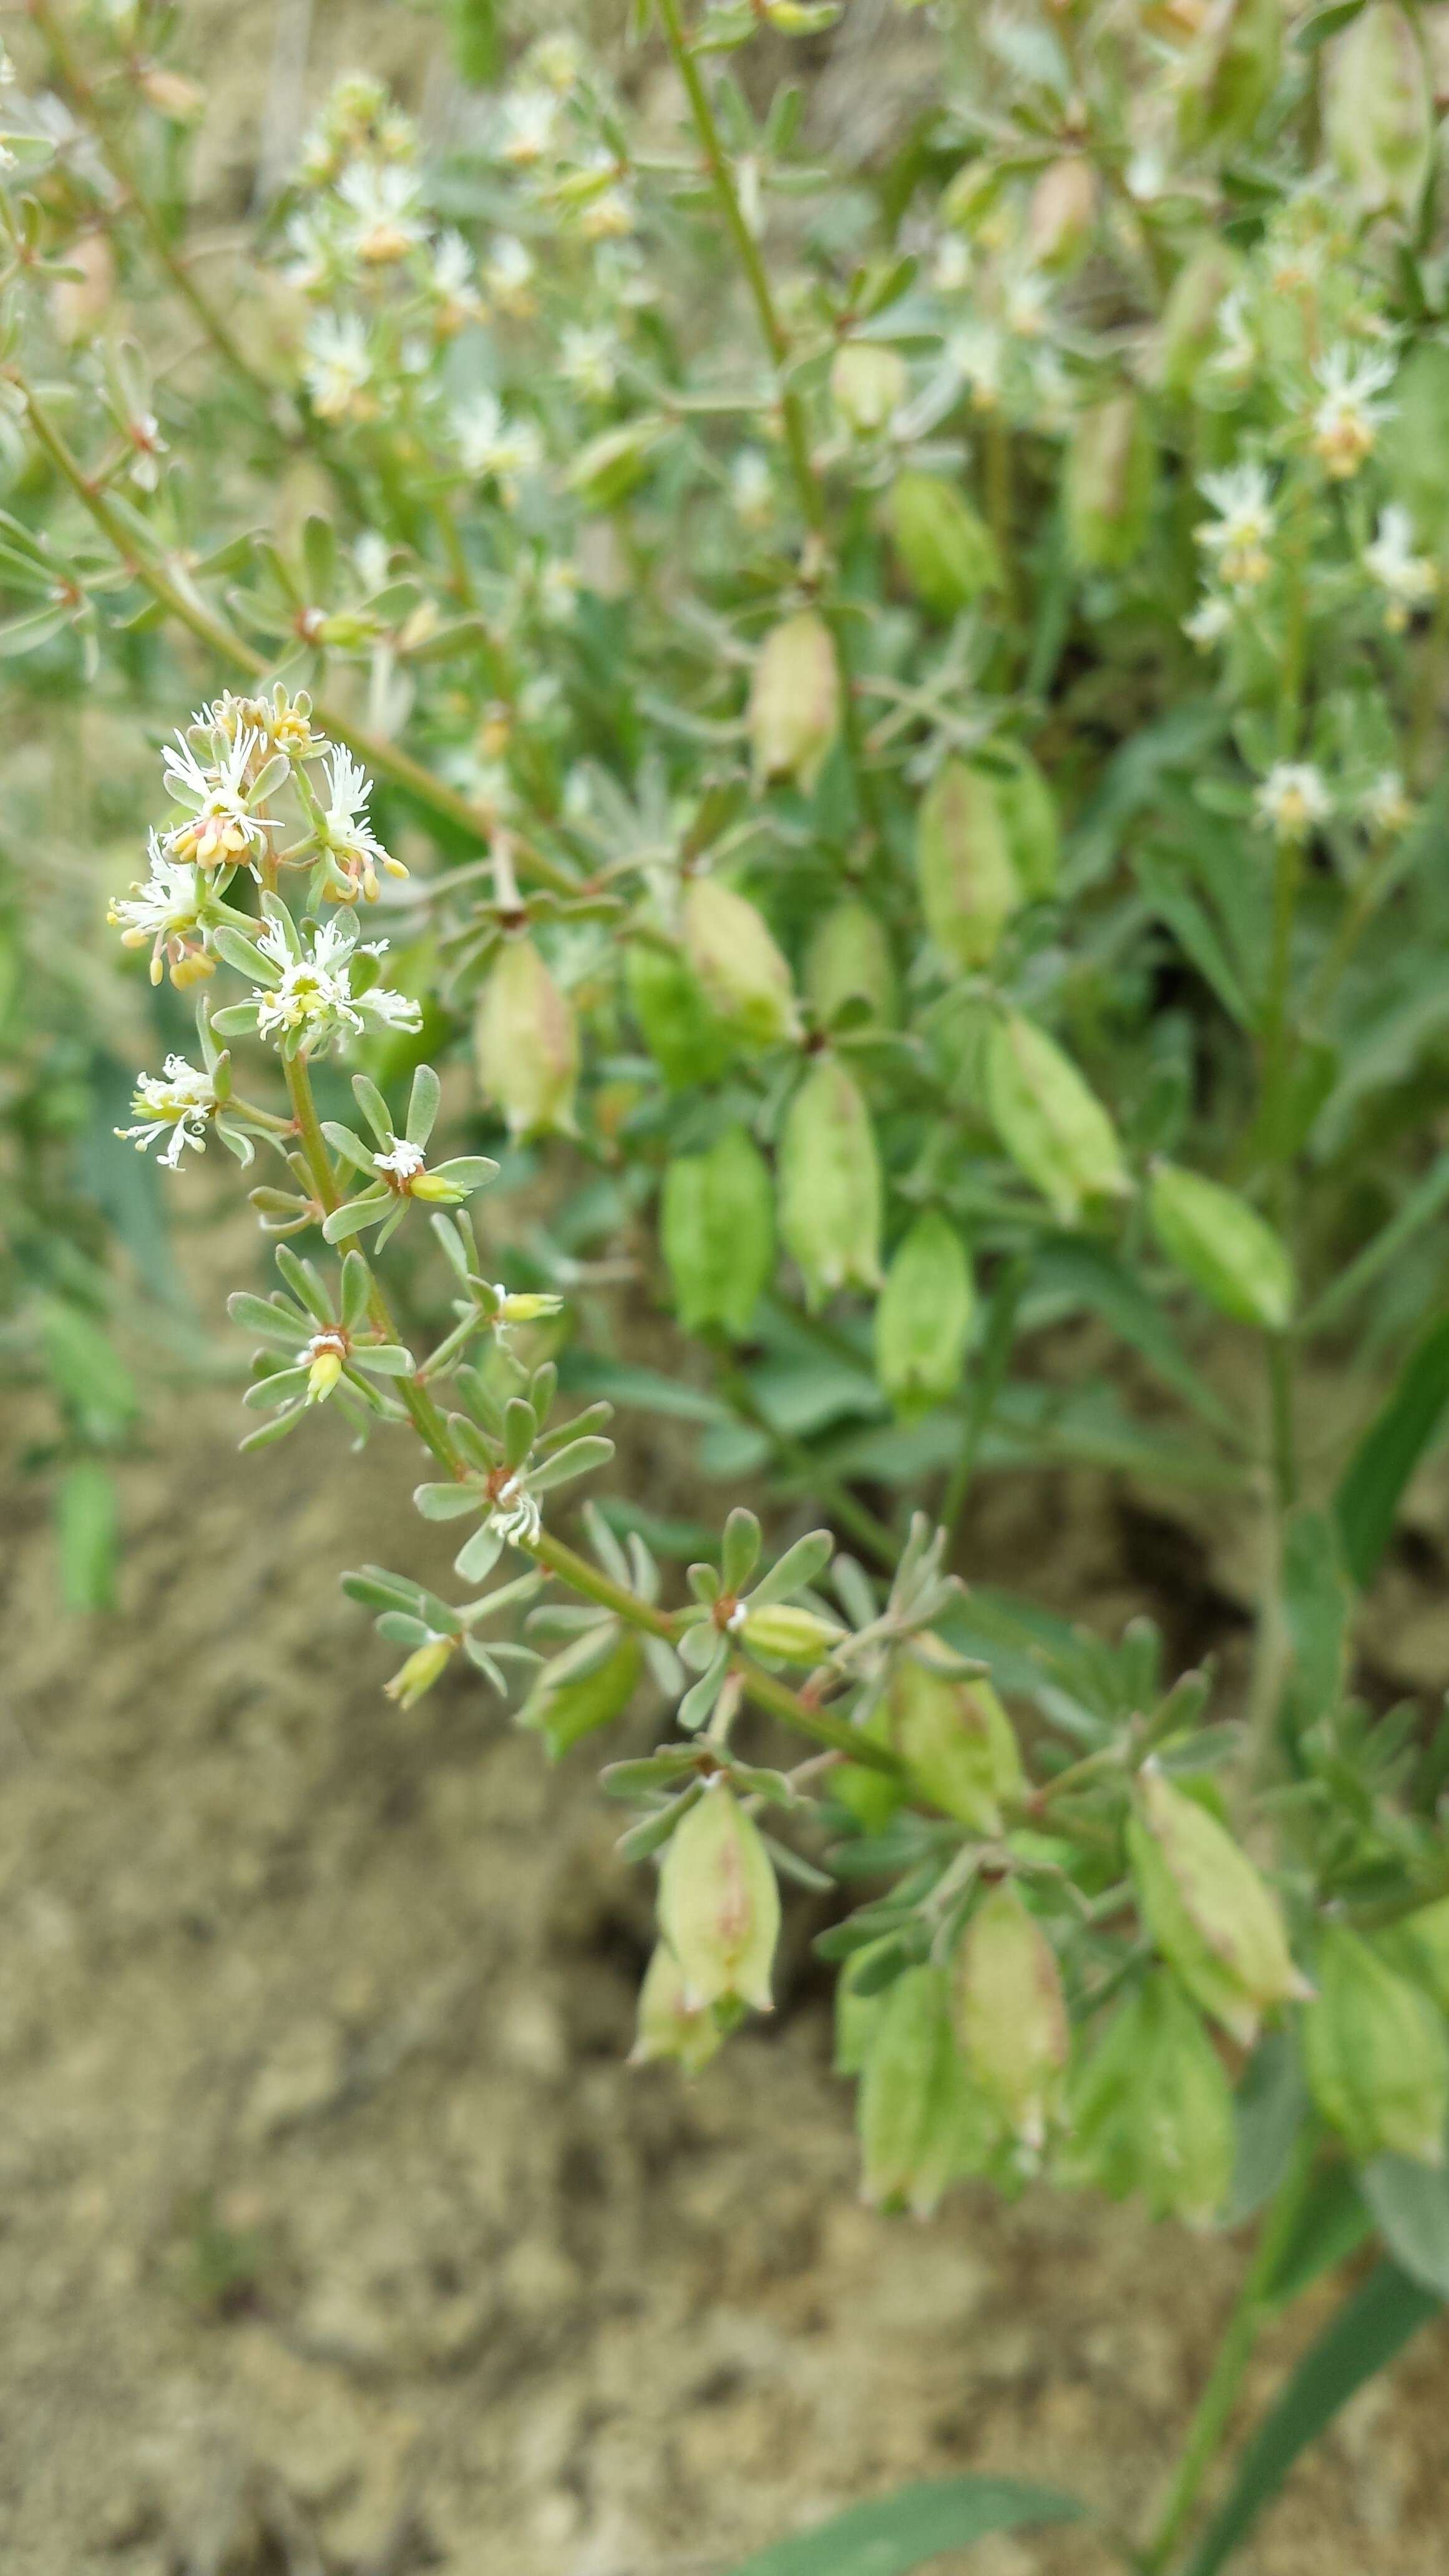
<point>969,888</point>
<point>1230,71</point>
<point>719,1906</point>
<point>849,960</point>
<point>1378,110</point>
<point>784,1634</point>
<point>1152,2109</point>
<point>425,1665</point>
<point>688,1043</point>
<point>1028,813</point>
<point>1011,2014</point>
<point>1223,1246</point>
<point>1055,1130</point>
<point>669,2025</point>
<point>868,383</point>
<point>923,1316</point>
<point>1212,1917</point>
<point>1192,314</point>
<point>717,1233</point>
<point>1062,214</point>
<point>744,977</point>
<point>830,1185</point>
<point>945,549</point>
<point>953,1731</point>
<point>921,2125</point>
<point>1376,2054</point>
<point>526,1044</point>
<point>795,700</point>
<point>582,1689</point>
<point>1109,479</point>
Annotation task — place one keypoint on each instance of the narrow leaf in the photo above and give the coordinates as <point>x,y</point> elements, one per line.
<point>903,2531</point>
<point>1368,1498</point>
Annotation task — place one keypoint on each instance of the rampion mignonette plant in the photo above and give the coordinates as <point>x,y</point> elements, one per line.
<point>911,695</point>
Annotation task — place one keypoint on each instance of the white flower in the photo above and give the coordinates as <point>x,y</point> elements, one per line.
<point>1236,355</point>
<point>587,360</point>
<point>179,1098</point>
<point>165,910</point>
<point>350,838</point>
<point>530,122</point>
<point>222,831</point>
<point>402,1161</point>
<point>609,217</point>
<point>508,274</point>
<point>1238,538</point>
<point>1024,311</point>
<point>339,367</point>
<point>752,487</point>
<point>451,280</point>
<point>977,354</point>
<point>1346,422</point>
<point>1209,621</point>
<point>1410,580</point>
<point>491,445</point>
<point>1384,805</point>
<point>515,1514</point>
<point>144,432</point>
<point>382,205</point>
<point>313,997</point>
<point>1293,798</point>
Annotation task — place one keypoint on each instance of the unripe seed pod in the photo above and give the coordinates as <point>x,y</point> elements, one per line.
<point>1378,110</point>
<point>743,975</point>
<point>868,382</point>
<point>614,464</point>
<point>1223,1246</point>
<point>921,2128</point>
<point>1028,813</point>
<point>953,1731</point>
<point>526,1043</point>
<point>1376,2054</point>
<point>849,959</point>
<point>830,1185</point>
<point>1055,1130</point>
<point>795,701</point>
<point>969,888</point>
<point>719,1906</point>
<point>787,1635</point>
<point>1062,213</point>
<point>1153,2111</point>
<point>923,1318</point>
<point>1191,315</point>
<point>687,1042</point>
<point>1230,71</point>
<point>1109,476</point>
<point>425,1665</point>
<point>579,1690</point>
<point>946,551</point>
<point>1011,2014</point>
<point>972,196</point>
<point>717,1232</point>
<point>669,2025</point>
<point>1211,1915</point>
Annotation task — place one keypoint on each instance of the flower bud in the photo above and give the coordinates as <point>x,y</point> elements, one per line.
<point>921,2128</point>
<point>830,1185</point>
<point>1011,2014</point>
<point>946,551</point>
<point>680,1030</point>
<point>923,1318</point>
<point>1376,2054</point>
<point>669,2025</point>
<point>868,383</point>
<point>425,1665</point>
<point>969,888</point>
<point>719,1906</point>
<point>795,701</point>
<point>1230,70</point>
<point>1109,476</point>
<point>1062,213</point>
<point>849,960</point>
<point>1055,1130</point>
<point>953,1731</point>
<point>1152,2110</point>
<point>583,1689</point>
<point>1211,1915</point>
<point>1378,111</point>
<point>742,972</point>
<point>1028,813</point>
<point>1191,315</point>
<point>1223,1246</point>
<point>525,1042</point>
<point>787,1635</point>
<point>717,1233</point>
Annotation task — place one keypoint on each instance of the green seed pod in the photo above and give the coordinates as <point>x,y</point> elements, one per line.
<point>525,1042</point>
<point>1109,477</point>
<point>868,382</point>
<point>830,1185</point>
<point>1376,2054</point>
<point>719,1906</point>
<point>872,1797</point>
<point>921,2125</point>
<point>717,1233</point>
<point>1062,214</point>
<point>923,1318</point>
<point>1011,2014</point>
<point>1211,1915</point>
<point>1223,1246</point>
<point>856,2012</point>
<point>1152,2110</point>
<point>953,1731</point>
<point>1028,813</point>
<point>1191,315</point>
<point>743,975</point>
<point>1055,1130</point>
<point>972,195</point>
<point>614,464</point>
<point>669,2025</point>
<point>969,888</point>
<point>425,1666</point>
<point>946,551</point>
<point>687,1042</point>
<point>849,959</point>
<point>795,701</point>
<point>1378,111</point>
<point>787,1635</point>
<point>582,1689</point>
<point>1230,71</point>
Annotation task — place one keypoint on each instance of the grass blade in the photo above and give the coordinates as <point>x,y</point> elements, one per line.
<point>901,2532</point>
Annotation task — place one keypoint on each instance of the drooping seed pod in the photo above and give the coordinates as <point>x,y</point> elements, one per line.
<point>717,1232</point>
<point>1191,315</point>
<point>1376,2054</point>
<point>1062,214</point>
<point>923,1317</point>
<point>1378,110</point>
<point>669,2024</point>
<point>526,1043</point>
<point>969,888</point>
<point>830,1184</point>
<point>795,700</point>
<point>953,1731</point>
<point>1028,812</point>
<point>688,1043</point>
<point>868,383</point>
<point>1212,1917</point>
<point>945,549</point>
<point>921,2125</point>
<point>849,960</point>
<point>786,1634</point>
<point>1109,479</point>
<point>585,1687</point>
<point>1011,2014</point>
<point>1230,71</point>
<point>1152,2109</point>
<point>1223,1246</point>
<point>744,977</point>
<point>719,1905</point>
<point>1055,1130</point>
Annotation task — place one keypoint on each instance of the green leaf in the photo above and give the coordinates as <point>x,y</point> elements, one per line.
<point>1410,2203</point>
<point>903,2531</point>
<point>1376,1475</point>
<point>1316,1601</point>
<point>1316,30</point>
<point>87,1535</point>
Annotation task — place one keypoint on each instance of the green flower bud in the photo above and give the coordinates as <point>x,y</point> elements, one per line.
<point>687,1042</point>
<point>921,2126</point>
<point>586,1687</point>
<point>719,1906</point>
<point>946,551</point>
<point>1011,2014</point>
<point>717,1232</point>
<point>669,2025</point>
<point>849,959</point>
<point>1028,813</point>
<point>1152,2110</point>
<point>525,1042</point>
<point>1376,2054</point>
<point>1052,1126</point>
<point>1062,214</point>
<point>1191,314</point>
<point>795,701</point>
<point>830,1185</point>
<point>1230,71</point>
<point>923,1318</point>
<point>787,1635</point>
<point>1109,476</point>
<point>1223,1246</point>
<point>1378,111</point>
<point>1211,1915</point>
<point>969,888</point>
<point>953,1731</point>
<point>868,383</point>
<point>744,977</point>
